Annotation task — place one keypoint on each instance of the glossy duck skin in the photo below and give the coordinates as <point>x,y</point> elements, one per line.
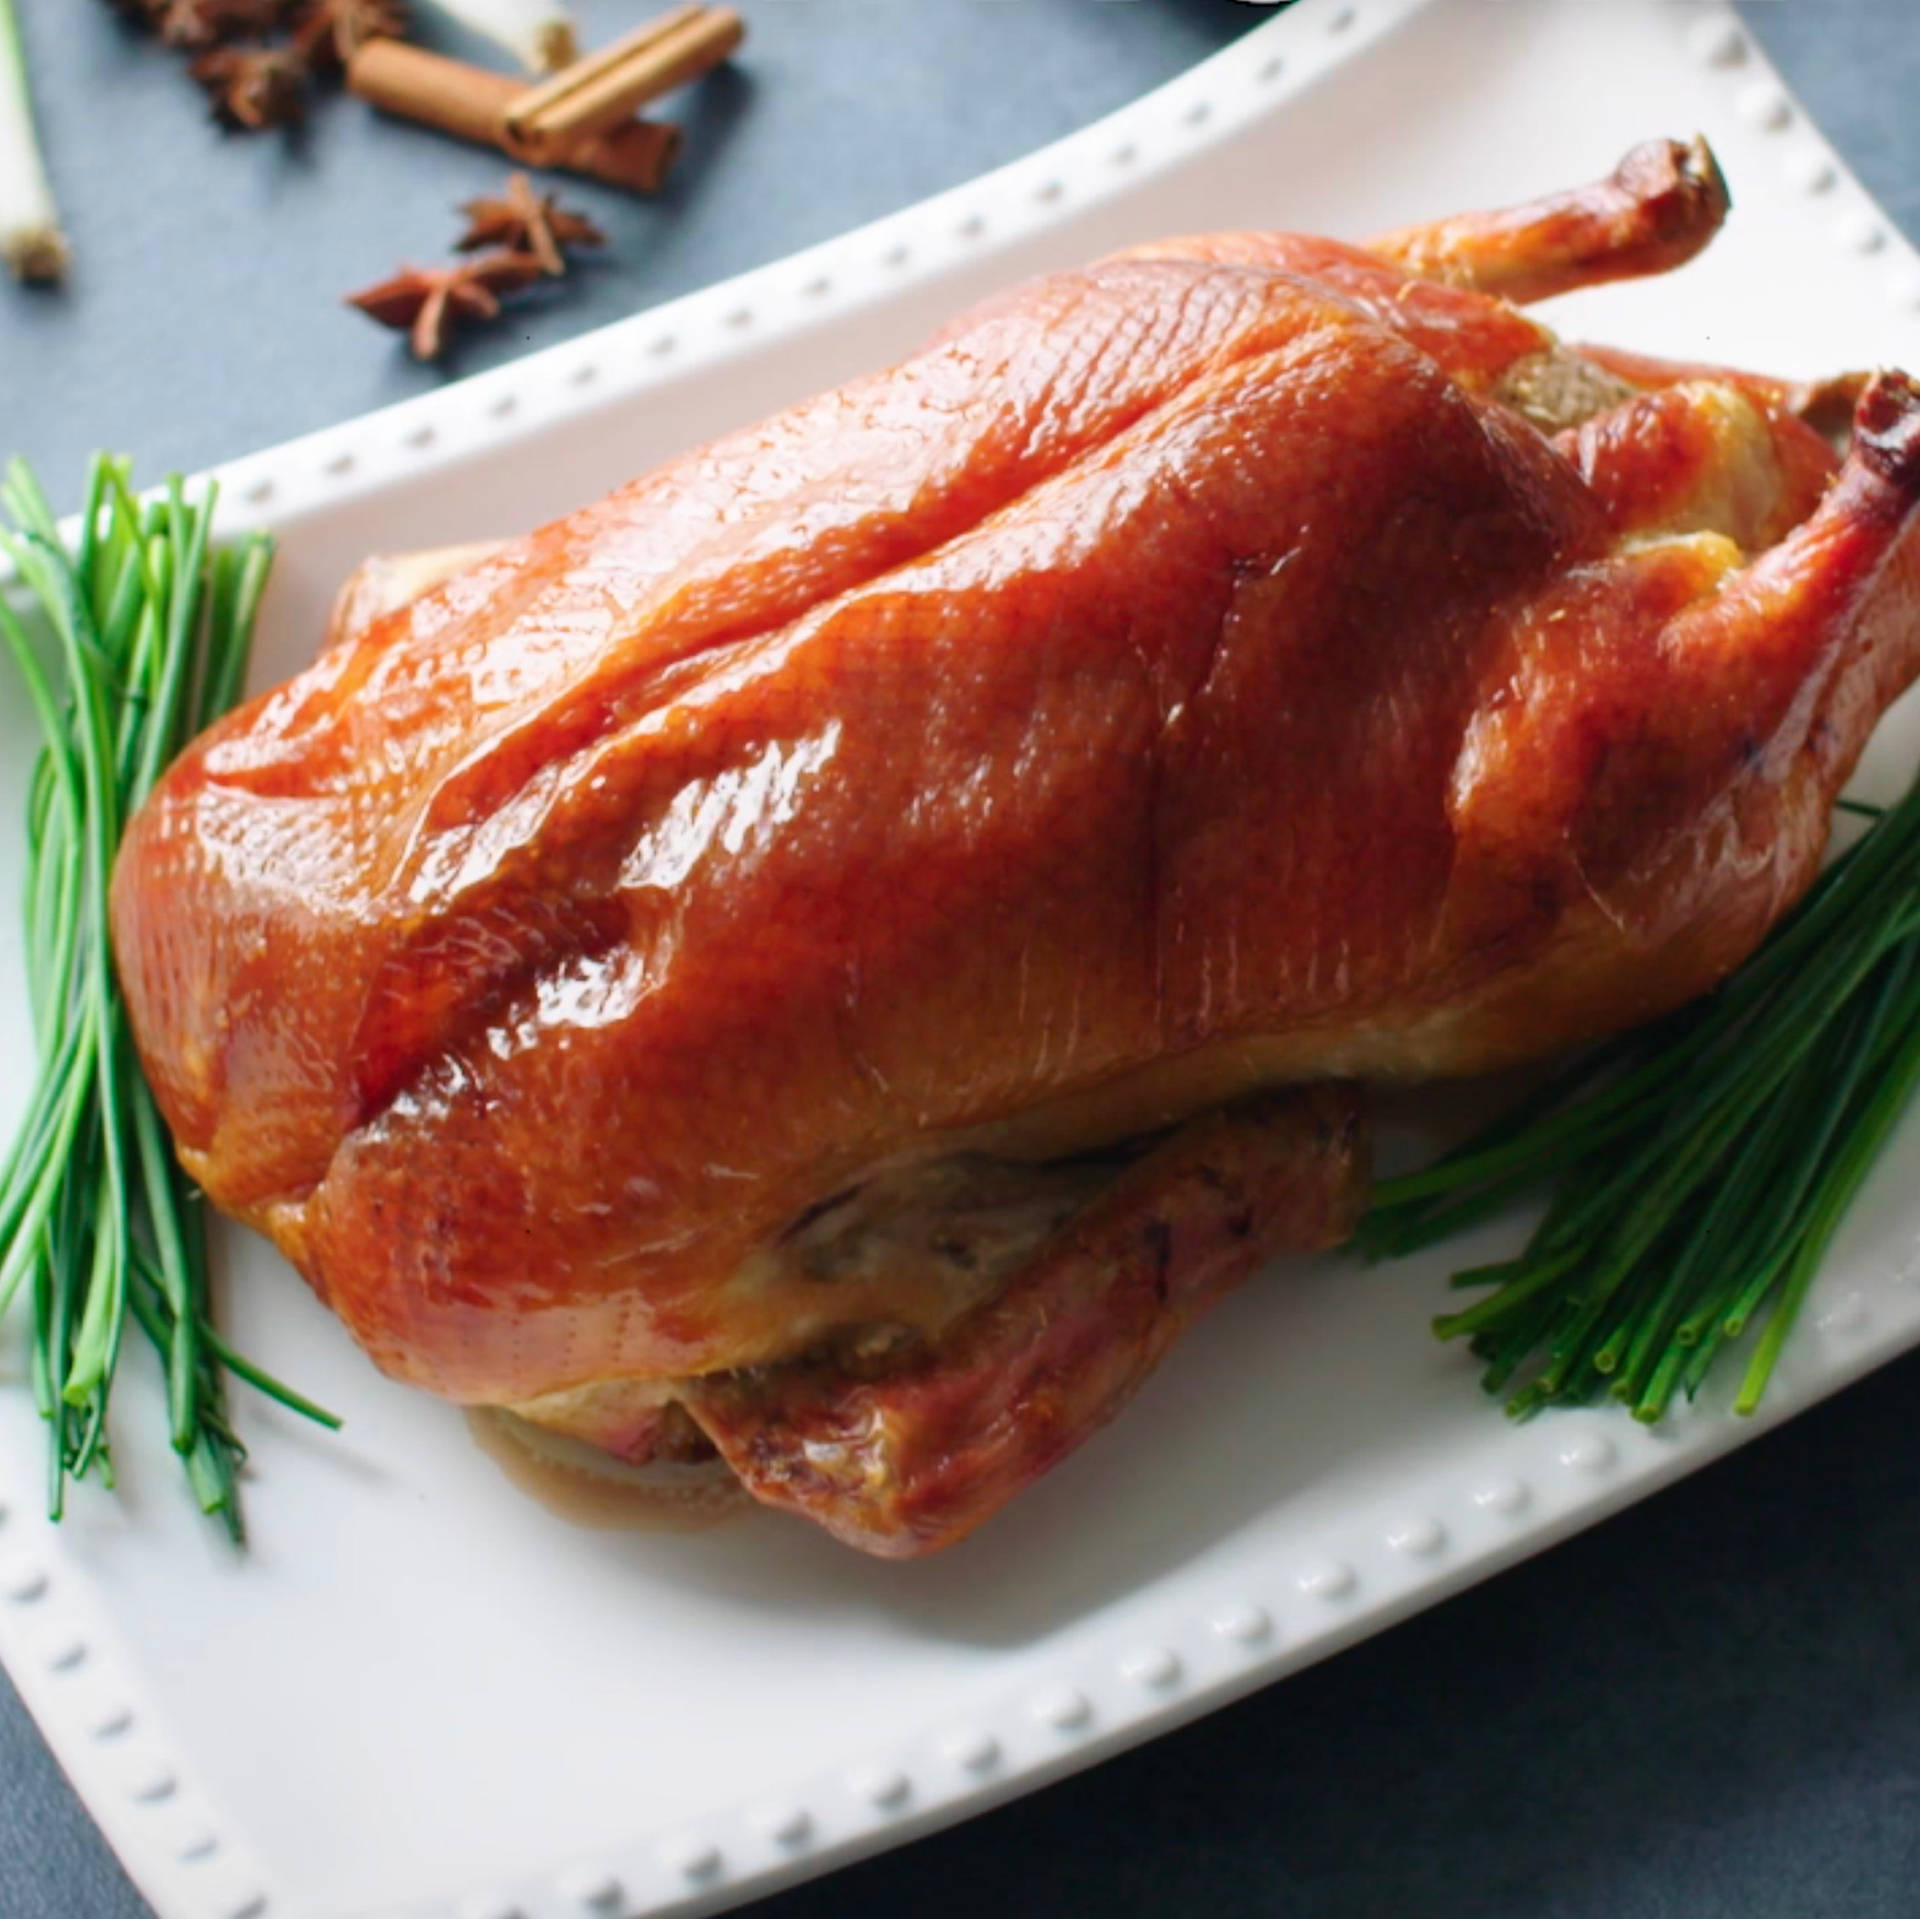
<point>1186,676</point>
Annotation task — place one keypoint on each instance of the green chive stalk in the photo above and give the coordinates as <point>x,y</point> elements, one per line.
<point>1695,1172</point>
<point>127,641</point>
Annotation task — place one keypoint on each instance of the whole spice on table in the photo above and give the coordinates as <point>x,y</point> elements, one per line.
<point>330,32</point>
<point>196,25</point>
<point>471,103</point>
<point>254,87</point>
<point>527,222</point>
<point>598,92</point>
<point>428,300</point>
<point>258,58</point>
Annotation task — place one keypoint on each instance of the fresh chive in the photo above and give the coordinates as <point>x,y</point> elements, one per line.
<point>148,627</point>
<point>1696,1170</point>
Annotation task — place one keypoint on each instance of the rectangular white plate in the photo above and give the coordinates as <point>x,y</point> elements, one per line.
<point>420,1693</point>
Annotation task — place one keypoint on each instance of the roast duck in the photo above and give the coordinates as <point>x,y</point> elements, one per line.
<point>834,955</point>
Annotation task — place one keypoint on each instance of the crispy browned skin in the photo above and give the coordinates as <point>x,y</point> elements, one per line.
<point>1185,676</point>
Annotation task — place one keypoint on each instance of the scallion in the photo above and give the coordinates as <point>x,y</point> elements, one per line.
<point>147,626</point>
<point>538,33</point>
<point>31,242</point>
<point>1696,1172</point>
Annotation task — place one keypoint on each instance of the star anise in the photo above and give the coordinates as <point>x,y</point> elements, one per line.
<point>331,32</point>
<point>199,24</point>
<point>427,300</point>
<point>527,222</point>
<point>254,87</point>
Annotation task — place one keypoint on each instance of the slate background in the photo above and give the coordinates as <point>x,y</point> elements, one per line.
<point>1708,1706</point>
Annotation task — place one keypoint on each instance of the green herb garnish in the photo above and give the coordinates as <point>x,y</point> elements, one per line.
<point>147,629</point>
<point>1698,1169</point>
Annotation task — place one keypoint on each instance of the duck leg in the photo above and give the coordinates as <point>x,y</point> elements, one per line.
<point>913,1460</point>
<point>1429,283</point>
<point>1654,212</point>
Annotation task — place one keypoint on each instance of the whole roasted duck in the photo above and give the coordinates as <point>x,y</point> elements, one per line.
<point>838,952</point>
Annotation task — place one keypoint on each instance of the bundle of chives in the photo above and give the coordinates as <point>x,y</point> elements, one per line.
<point>149,627</point>
<point>1698,1169</point>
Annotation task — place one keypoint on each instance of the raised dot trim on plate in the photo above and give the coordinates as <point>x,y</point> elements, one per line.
<point>1718,43</point>
<point>153,1784</point>
<point>975,1749</point>
<point>1861,231</point>
<point>1847,1314</point>
<point>1245,1625</point>
<point>696,1859</point>
<point>1507,1497</point>
<point>1332,1579</point>
<point>1813,172</point>
<point>788,1826</point>
<point>488,1906</point>
<point>1590,1453</point>
<point>592,1890</point>
<point>1155,1667</point>
<point>885,1788</point>
<point>26,1584</point>
<point>1766,107</point>
<point>1064,1708</point>
<point>1418,1538</point>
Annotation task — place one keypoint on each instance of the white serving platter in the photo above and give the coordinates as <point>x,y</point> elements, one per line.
<point>420,1693</point>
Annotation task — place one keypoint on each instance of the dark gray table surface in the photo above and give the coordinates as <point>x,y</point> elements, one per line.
<point>1709,1706</point>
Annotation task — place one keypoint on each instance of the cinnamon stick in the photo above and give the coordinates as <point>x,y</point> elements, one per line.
<point>544,95</point>
<point>598,92</point>
<point>471,103</point>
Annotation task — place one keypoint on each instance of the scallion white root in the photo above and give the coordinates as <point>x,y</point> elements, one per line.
<point>30,238</point>
<point>538,33</point>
